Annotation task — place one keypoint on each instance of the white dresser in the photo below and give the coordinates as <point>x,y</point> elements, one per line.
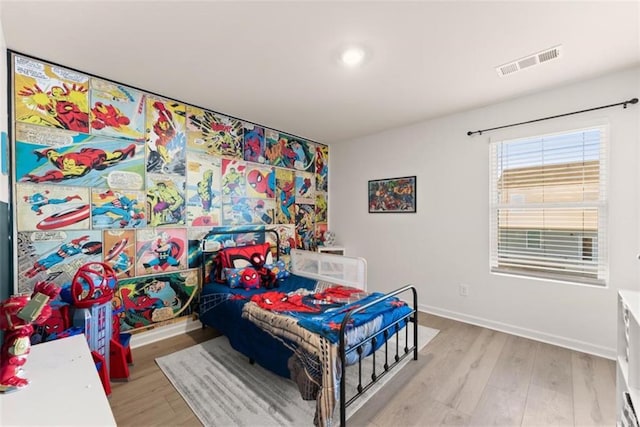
<point>628,359</point>
<point>64,389</point>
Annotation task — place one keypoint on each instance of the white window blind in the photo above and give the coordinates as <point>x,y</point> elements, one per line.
<point>549,206</point>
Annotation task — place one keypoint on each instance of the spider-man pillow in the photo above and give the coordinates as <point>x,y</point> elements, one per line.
<point>238,257</point>
<point>279,268</point>
<point>247,277</point>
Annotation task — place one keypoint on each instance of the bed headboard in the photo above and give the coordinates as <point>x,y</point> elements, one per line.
<point>339,269</point>
<point>219,238</point>
<point>210,244</point>
<point>343,270</point>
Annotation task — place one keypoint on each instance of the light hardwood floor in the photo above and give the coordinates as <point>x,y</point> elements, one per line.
<point>467,375</point>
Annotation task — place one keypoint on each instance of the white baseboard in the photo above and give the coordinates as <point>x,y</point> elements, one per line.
<point>585,347</point>
<point>164,332</point>
<point>157,334</point>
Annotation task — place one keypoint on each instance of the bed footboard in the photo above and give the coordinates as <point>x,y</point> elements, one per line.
<point>391,357</point>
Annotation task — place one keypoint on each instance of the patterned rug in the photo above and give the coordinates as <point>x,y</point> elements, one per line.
<point>223,389</point>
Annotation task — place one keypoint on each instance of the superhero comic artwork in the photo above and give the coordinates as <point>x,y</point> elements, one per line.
<point>104,172</point>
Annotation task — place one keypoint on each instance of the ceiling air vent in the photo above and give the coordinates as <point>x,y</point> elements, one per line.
<point>529,61</point>
<point>508,69</point>
<point>549,54</point>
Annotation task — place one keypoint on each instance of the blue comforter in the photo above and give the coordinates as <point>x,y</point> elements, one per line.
<point>328,323</point>
<point>221,307</point>
<point>301,316</point>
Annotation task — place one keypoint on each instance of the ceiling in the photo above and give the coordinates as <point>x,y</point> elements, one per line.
<point>275,63</point>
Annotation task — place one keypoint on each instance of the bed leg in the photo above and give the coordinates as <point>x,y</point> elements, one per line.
<point>415,339</point>
<point>415,323</point>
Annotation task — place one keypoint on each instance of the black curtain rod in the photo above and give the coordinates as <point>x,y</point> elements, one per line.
<point>624,104</point>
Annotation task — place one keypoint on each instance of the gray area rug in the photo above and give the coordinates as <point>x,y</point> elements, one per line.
<point>223,389</point>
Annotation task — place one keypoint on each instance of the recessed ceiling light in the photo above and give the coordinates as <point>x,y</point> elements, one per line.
<point>352,56</point>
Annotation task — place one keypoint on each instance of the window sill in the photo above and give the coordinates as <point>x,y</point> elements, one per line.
<point>580,281</point>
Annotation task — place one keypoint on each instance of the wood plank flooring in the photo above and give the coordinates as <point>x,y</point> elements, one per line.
<point>466,376</point>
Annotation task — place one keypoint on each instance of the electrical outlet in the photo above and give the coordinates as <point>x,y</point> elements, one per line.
<point>464,290</point>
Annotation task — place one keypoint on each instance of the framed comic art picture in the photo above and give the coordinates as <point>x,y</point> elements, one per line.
<point>393,195</point>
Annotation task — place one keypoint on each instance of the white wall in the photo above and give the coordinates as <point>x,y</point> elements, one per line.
<point>446,242</point>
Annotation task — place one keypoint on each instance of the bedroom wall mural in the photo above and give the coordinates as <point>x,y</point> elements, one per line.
<point>105,172</point>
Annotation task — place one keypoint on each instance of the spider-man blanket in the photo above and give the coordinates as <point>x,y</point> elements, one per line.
<point>323,311</point>
<point>309,321</point>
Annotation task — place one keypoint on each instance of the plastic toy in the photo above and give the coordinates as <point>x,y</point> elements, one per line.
<point>101,366</point>
<point>92,284</point>
<point>17,314</point>
<point>120,356</point>
<point>56,325</point>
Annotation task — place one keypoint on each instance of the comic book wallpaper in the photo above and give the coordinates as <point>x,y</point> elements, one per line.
<point>204,199</point>
<point>166,199</point>
<point>88,161</point>
<point>50,96</point>
<point>54,255</point>
<point>214,133</point>
<point>120,251</point>
<point>141,302</point>
<point>108,173</point>
<point>117,111</point>
<point>253,143</point>
<point>54,208</point>
<point>166,137</point>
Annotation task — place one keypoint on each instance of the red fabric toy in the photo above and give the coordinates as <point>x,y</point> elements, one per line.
<point>16,317</point>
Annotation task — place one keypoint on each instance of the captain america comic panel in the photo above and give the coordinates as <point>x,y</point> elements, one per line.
<point>52,207</point>
<point>120,251</point>
<point>55,256</point>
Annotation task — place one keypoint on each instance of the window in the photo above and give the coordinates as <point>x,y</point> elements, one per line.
<point>549,206</point>
<point>587,248</point>
<point>533,239</point>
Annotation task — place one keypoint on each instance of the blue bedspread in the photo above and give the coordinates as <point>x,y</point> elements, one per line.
<point>221,308</point>
<point>303,316</point>
<point>328,323</point>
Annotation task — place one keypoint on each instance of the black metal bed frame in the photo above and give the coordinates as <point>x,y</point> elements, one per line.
<point>221,231</point>
<point>387,333</point>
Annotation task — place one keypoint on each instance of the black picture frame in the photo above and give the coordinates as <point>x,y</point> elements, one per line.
<point>392,195</point>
